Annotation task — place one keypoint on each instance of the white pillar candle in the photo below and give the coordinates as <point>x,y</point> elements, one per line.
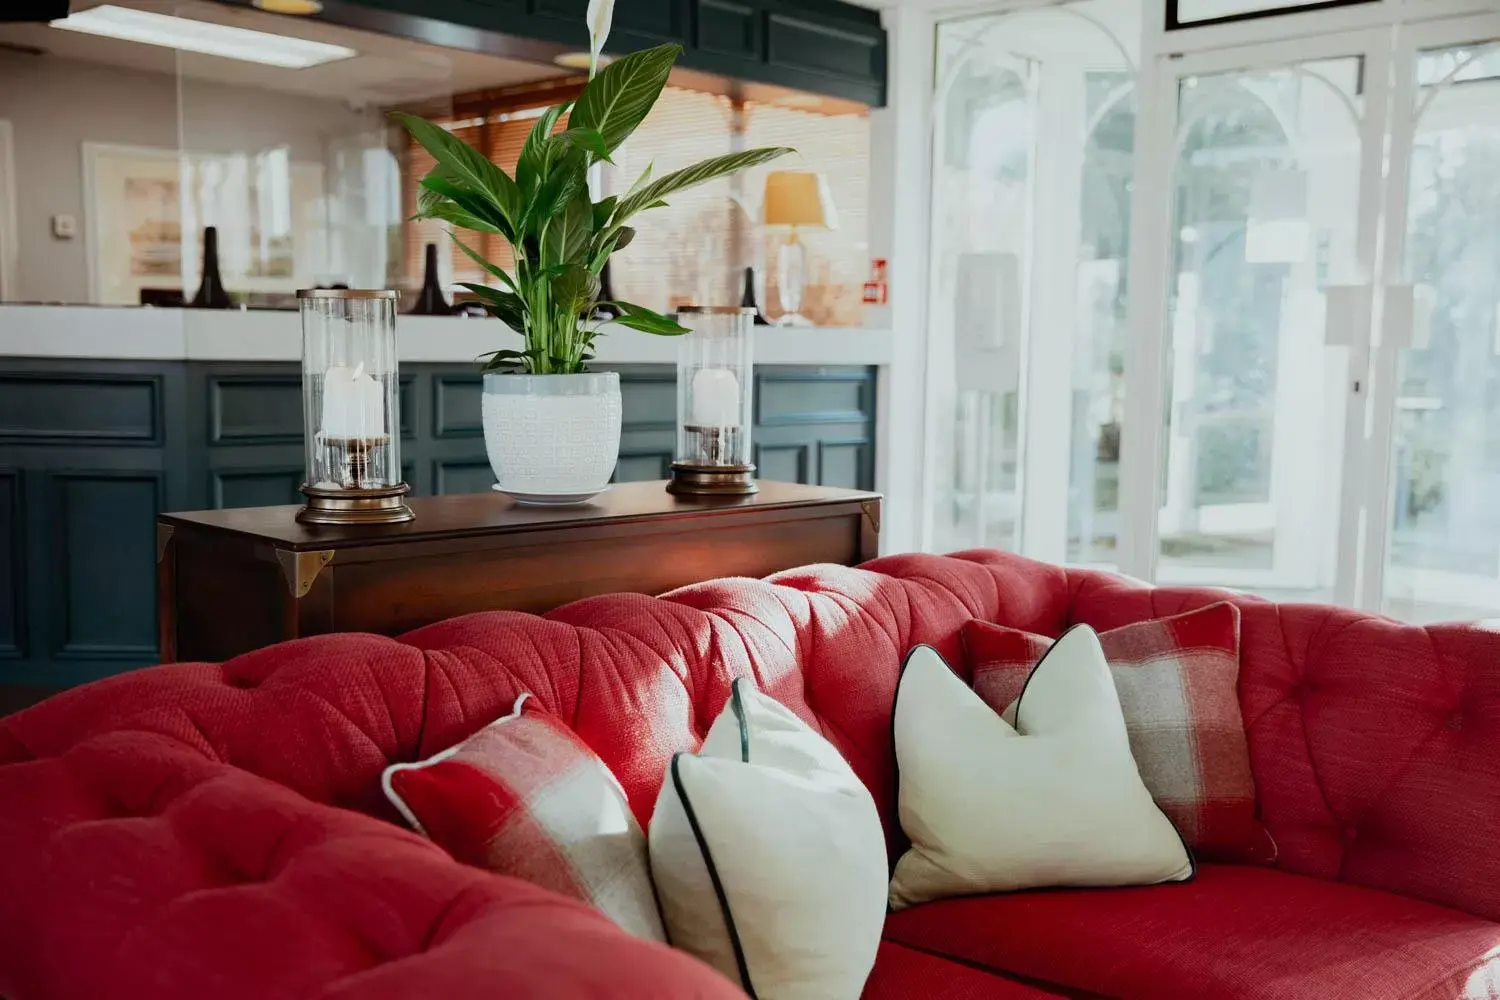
<point>353,403</point>
<point>716,398</point>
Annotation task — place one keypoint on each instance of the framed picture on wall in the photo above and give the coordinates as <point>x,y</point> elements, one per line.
<point>146,208</point>
<point>133,212</point>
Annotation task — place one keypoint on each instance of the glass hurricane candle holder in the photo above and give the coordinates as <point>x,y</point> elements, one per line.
<point>715,368</point>
<point>351,408</point>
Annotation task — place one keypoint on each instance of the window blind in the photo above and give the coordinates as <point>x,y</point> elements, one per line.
<point>838,260</point>
<point>694,250</point>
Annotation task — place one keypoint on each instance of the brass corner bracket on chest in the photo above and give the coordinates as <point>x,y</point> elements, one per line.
<point>301,569</point>
<point>871,509</point>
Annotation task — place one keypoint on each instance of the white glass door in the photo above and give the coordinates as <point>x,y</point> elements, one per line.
<point>1274,170</point>
<point>1233,322</point>
<point>1034,124</point>
<point>1439,437</point>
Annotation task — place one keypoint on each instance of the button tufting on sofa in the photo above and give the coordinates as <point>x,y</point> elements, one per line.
<point>265,794</point>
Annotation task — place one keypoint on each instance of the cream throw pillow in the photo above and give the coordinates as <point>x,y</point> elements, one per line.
<point>769,858</point>
<point>1054,801</point>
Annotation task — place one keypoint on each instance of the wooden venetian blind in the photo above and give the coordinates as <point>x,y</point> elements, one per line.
<point>496,123</point>
<point>694,250</point>
<point>685,252</point>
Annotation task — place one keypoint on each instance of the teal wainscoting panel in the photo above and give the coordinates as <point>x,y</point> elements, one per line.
<point>94,450</point>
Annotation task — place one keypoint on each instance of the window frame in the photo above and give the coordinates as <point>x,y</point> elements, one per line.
<point>1172,22</point>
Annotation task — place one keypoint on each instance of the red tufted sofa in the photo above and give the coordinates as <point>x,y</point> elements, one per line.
<point>217,831</point>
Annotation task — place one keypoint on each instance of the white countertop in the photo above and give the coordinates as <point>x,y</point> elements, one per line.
<point>200,335</point>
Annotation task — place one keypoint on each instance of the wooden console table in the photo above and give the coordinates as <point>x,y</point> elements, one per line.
<point>230,581</point>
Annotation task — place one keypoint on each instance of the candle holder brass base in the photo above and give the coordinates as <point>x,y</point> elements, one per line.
<point>375,505</point>
<point>692,479</point>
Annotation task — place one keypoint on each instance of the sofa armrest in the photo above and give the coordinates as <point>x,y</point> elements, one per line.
<point>143,869</point>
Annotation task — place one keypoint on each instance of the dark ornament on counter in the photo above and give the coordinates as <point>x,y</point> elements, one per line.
<point>747,298</point>
<point>162,297</point>
<point>430,301</point>
<point>211,294</point>
<point>605,309</point>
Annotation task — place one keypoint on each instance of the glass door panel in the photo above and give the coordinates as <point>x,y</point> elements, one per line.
<point>1031,177</point>
<point>1265,221</point>
<point>981,204</point>
<point>1443,553</point>
<point>1101,332</point>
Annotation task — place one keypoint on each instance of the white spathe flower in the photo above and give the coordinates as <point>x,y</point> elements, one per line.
<point>600,17</point>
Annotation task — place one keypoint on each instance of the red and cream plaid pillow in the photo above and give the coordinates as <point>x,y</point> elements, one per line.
<point>526,797</point>
<point>1176,678</point>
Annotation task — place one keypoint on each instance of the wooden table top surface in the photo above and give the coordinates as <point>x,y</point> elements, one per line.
<point>494,513</point>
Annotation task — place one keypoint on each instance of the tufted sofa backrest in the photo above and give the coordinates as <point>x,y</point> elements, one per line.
<point>1375,746</point>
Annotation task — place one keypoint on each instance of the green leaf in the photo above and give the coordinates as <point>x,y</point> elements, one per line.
<point>575,288</point>
<point>619,98</point>
<point>643,319</point>
<point>603,210</point>
<point>653,193</point>
<point>451,213</point>
<point>501,304</point>
<point>479,259</point>
<point>643,180</point>
<point>623,240</point>
<point>436,188</point>
<point>466,165</point>
<point>504,359</point>
<point>587,139</point>
<point>566,239</point>
<point>555,192</point>
<point>529,167</point>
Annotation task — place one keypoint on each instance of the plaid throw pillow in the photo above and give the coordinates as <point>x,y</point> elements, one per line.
<point>1177,679</point>
<point>525,797</point>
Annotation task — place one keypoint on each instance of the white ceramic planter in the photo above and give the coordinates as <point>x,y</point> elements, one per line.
<point>552,439</point>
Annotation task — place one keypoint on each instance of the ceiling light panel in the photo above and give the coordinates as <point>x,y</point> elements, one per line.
<point>203,36</point>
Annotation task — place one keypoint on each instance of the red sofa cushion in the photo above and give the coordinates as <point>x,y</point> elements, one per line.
<point>1234,932</point>
<point>903,973</point>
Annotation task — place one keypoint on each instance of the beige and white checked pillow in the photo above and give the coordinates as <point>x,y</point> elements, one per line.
<point>1177,680</point>
<point>525,797</point>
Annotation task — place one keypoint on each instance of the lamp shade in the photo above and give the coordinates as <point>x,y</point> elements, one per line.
<point>798,198</point>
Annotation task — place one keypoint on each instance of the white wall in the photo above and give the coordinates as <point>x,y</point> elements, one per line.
<point>55,105</point>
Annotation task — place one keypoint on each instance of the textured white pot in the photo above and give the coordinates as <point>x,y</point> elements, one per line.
<point>552,434</point>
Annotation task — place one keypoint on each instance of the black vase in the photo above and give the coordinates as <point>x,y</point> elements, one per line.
<point>430,301</point>
<point>606,295</point>
<point>747,298</point>
<point>211,294</point>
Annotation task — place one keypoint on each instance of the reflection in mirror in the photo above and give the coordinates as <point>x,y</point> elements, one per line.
<point>137,126</point>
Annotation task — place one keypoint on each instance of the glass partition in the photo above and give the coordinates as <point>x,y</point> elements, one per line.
<point>272,131</point>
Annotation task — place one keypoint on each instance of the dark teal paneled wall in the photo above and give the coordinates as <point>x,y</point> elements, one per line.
<point>823,46</point>
<point>91,451</point>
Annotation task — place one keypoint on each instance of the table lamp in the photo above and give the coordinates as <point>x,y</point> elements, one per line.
<point>796,198</point>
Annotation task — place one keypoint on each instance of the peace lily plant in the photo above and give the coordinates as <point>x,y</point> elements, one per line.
<point>560,235</point>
